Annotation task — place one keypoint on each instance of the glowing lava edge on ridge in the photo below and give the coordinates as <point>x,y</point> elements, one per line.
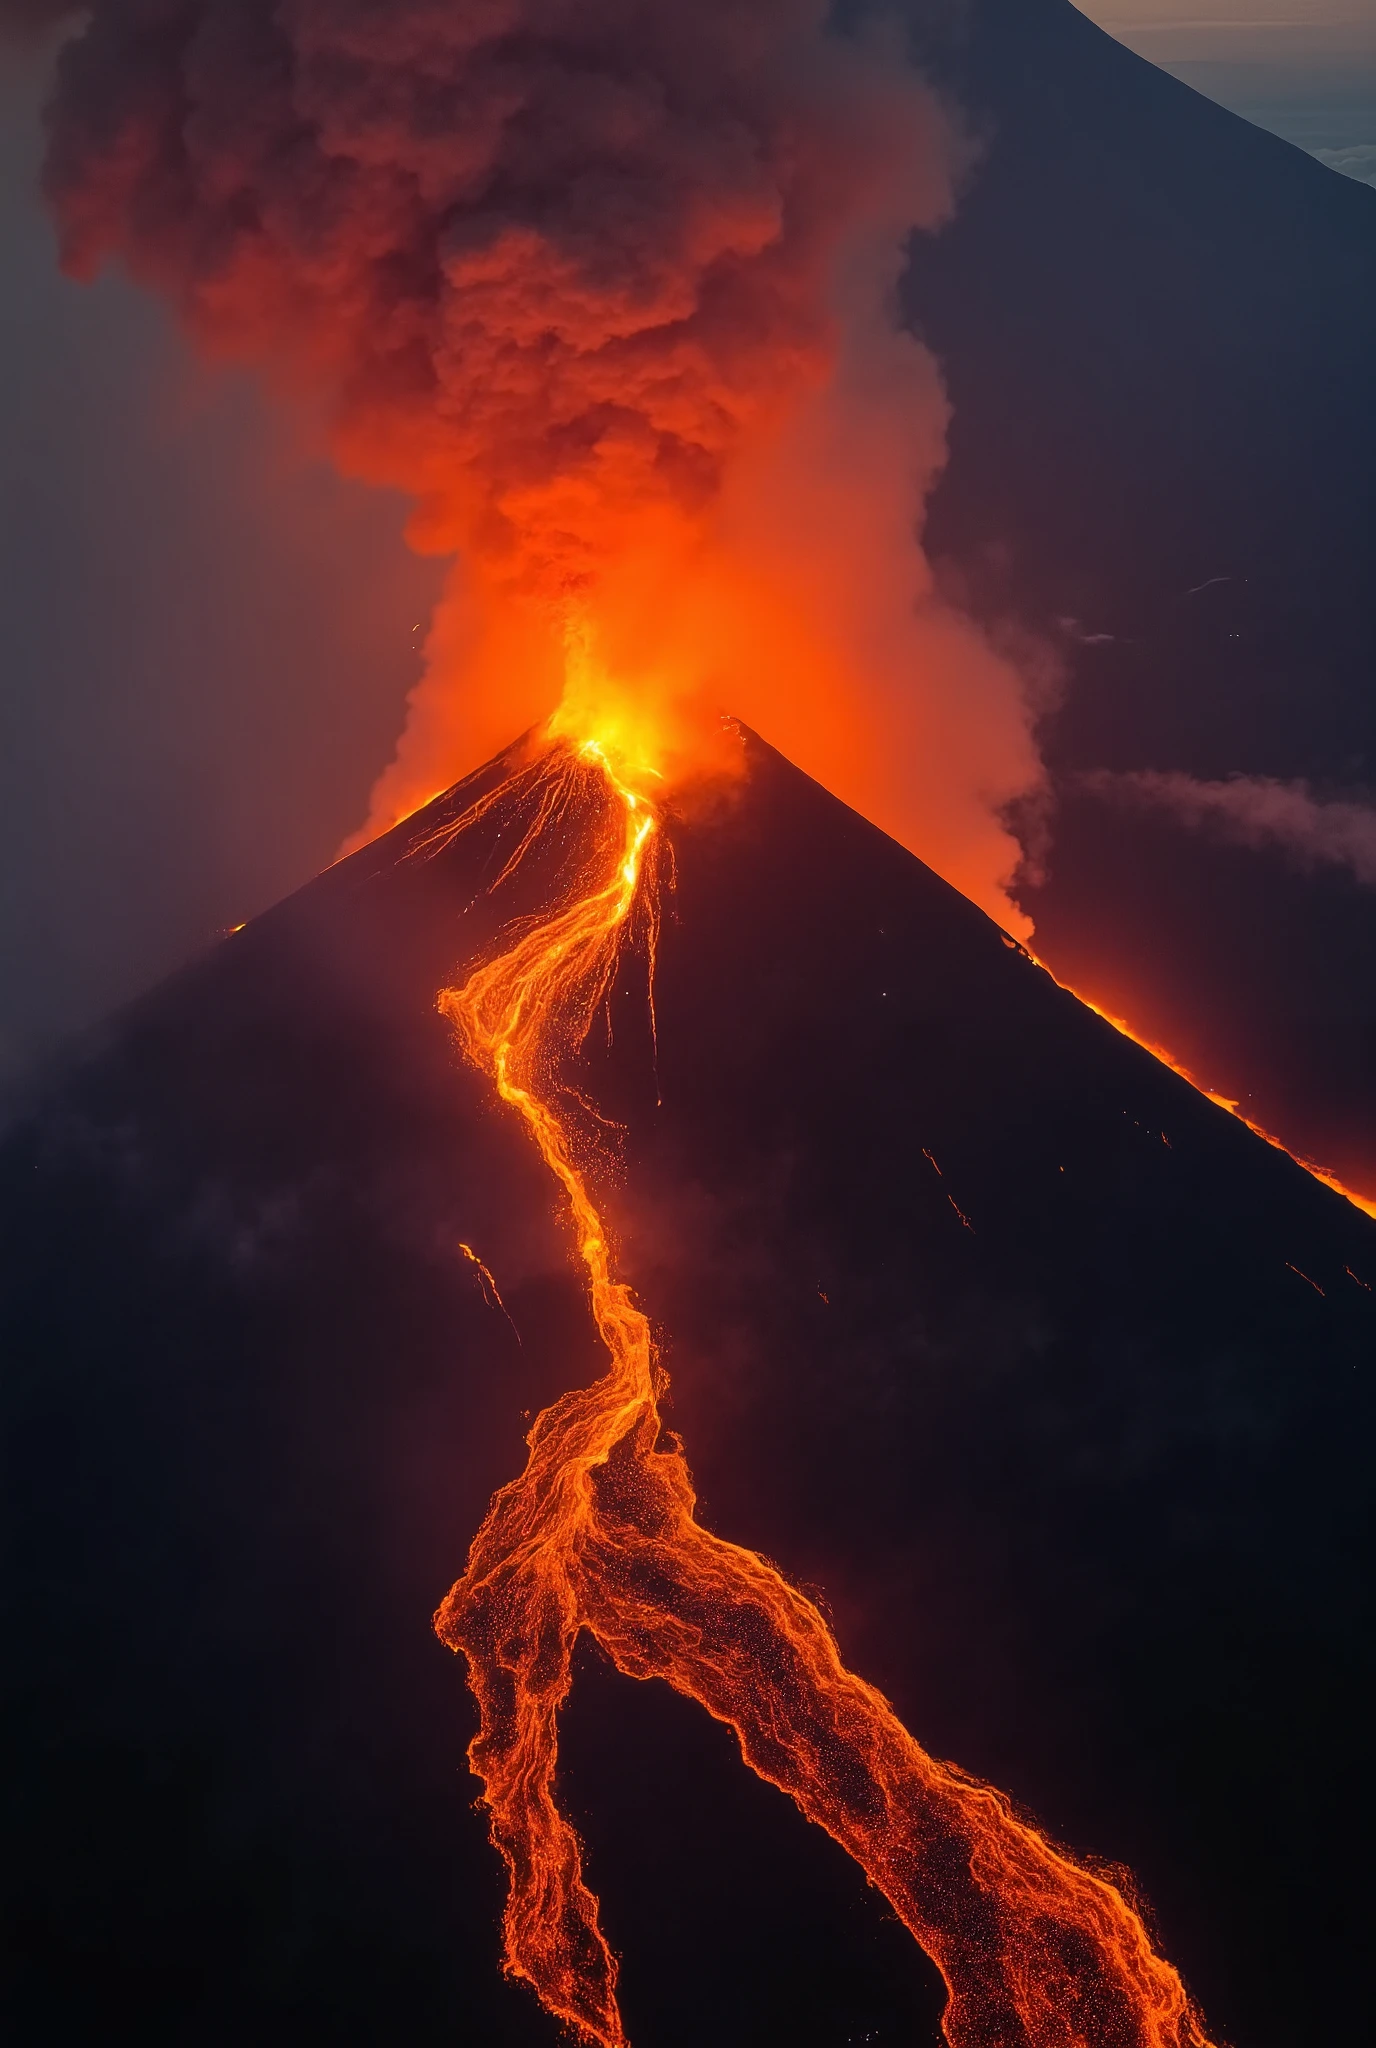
<point>1322,1174</point>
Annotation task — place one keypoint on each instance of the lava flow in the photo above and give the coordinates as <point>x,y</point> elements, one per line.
<point>599,1533</point>
<point>1323,1174</point>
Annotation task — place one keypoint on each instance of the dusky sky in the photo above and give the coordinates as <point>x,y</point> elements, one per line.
<point>207,636</point>
<point>1306,69</point>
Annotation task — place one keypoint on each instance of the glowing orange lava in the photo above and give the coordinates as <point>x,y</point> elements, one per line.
<point>599,1533</point>
<point>1158,1052</point>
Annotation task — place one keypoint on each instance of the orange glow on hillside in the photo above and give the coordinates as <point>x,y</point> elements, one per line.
<point>794,600</point>
<point>599,1533</point>
<point>1320,1173</point>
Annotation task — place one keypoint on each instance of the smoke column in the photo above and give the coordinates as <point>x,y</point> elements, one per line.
<point>607,288</point>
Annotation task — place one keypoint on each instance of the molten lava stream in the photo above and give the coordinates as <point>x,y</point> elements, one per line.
<point>1322,1174</point>
<point>599,1533</point>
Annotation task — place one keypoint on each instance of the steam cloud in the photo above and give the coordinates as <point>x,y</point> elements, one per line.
<point>1258,811</point>
<point>606,286</point>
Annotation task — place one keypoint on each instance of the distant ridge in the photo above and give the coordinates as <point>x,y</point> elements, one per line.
<point>1157,324</point>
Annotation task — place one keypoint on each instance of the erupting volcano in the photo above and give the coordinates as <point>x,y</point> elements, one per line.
<point>994,1330</point>
<point>978,1318</point>
<point>599,1533</point>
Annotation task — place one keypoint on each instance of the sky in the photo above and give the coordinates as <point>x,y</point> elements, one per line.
<point>207,636</point>
<point>1306,69</point>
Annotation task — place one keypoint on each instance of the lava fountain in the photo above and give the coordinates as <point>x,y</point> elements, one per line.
<point>599,1533</point>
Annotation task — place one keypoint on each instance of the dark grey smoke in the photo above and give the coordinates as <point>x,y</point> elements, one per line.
<point>549,259</point>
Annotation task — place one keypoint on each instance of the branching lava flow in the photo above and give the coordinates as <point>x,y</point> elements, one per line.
<point>599,1533</point>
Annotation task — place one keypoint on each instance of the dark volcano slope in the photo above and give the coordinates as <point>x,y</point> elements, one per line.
<point>1157,325</point>
<point>1049,1375</point>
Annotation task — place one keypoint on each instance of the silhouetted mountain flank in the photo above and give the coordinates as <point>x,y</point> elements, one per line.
<point>1157,324</point>
<point>1048,1373</point>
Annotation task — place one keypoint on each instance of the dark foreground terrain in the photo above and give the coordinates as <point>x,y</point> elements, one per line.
<point>1048,1374</point>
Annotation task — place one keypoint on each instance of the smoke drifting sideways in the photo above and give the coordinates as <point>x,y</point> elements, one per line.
<point>607,287</point>
<point>1257,811</point>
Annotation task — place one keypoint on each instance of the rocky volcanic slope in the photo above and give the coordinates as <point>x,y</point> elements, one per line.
<point>1047,1372</point>
<point>1157,326</point>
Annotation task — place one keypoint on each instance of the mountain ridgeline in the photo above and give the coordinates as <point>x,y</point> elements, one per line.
<point>1156,324</point>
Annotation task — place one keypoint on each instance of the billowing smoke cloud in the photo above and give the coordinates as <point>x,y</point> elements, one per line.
<point>606,286</point>
<point>1258,811</point>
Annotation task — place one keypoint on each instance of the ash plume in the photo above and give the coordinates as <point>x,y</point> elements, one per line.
<point>1258,811</point>
<point>607,287</point>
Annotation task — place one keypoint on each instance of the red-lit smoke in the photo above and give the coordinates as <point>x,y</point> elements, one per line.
<point>608,288</point>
